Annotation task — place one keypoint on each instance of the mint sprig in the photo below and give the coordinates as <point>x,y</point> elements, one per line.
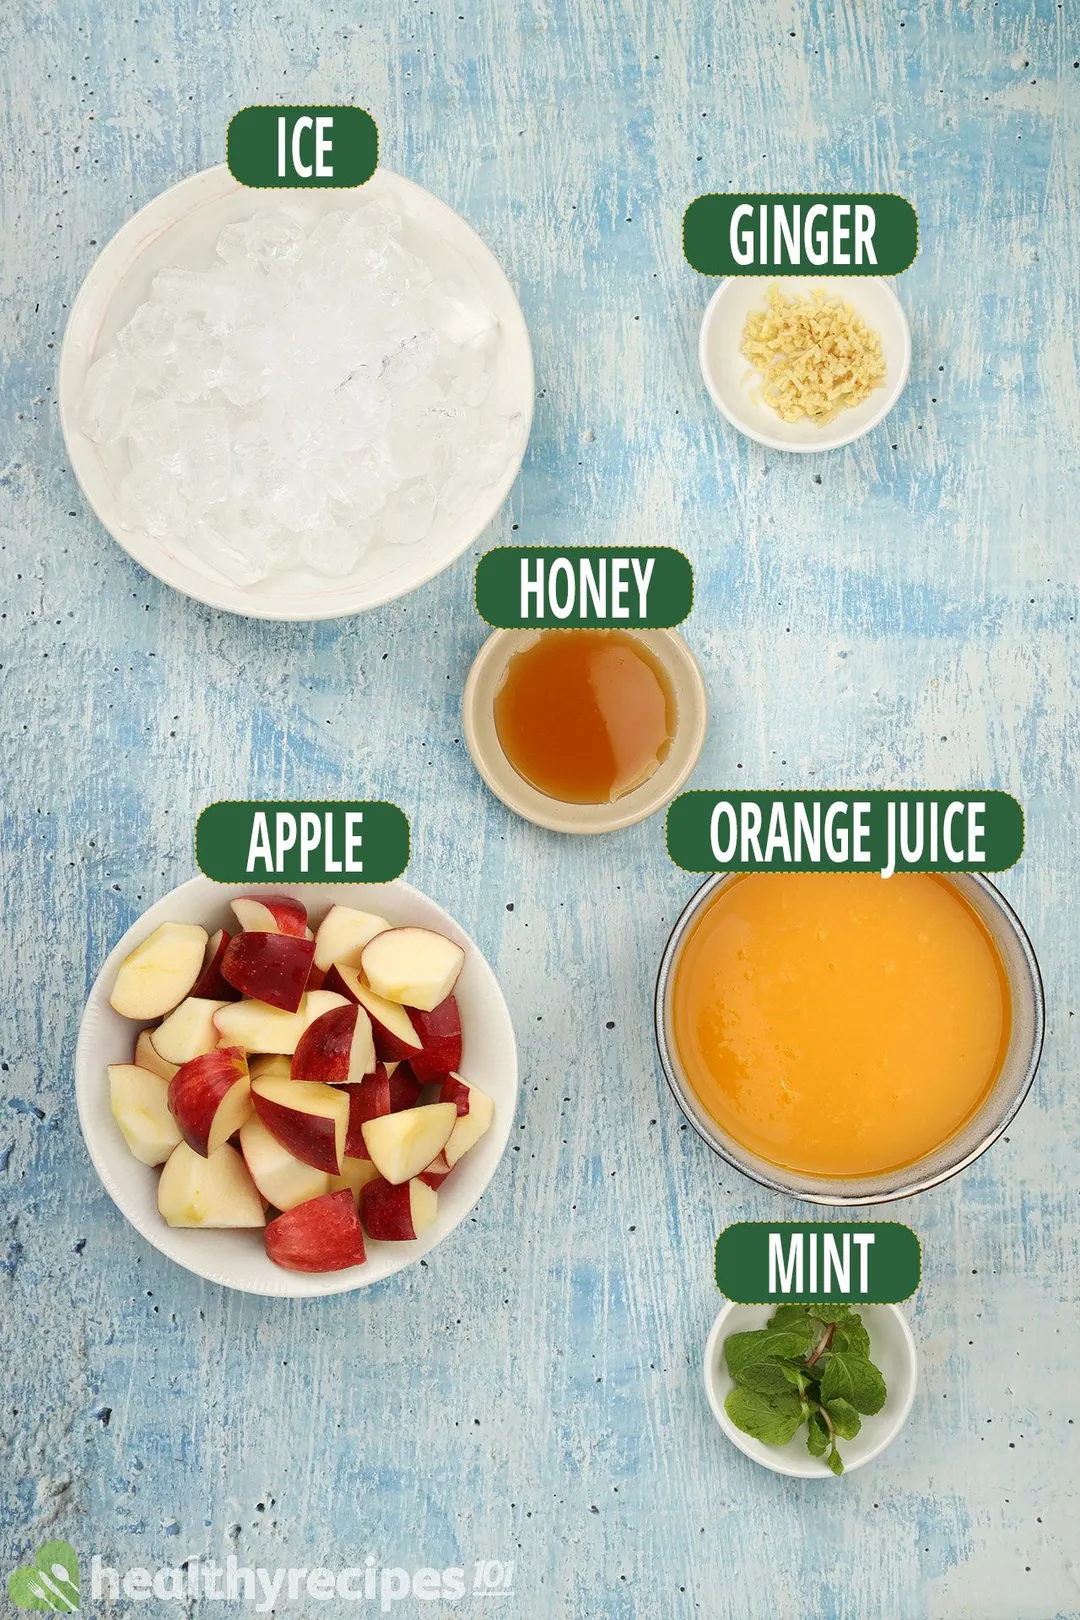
<point>809,1364</point>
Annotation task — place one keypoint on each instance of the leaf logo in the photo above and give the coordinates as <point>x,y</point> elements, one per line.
<point>51,1582</point>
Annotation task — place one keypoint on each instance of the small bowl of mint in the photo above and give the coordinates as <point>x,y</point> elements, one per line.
<point>811,1390</point>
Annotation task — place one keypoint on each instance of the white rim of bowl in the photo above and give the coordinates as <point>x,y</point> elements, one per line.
<point>486,751</point>
<point>734,1435</point>
<point>837,442</point>
<point>317,1285</point>
<point>307,607</point>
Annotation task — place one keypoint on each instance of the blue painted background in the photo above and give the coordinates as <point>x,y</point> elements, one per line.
<point>900,613</point>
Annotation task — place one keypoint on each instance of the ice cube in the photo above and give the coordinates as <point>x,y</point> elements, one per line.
<point>409,515</point>
<point>194,292</point>
<point>153,429</point>
<point>271,239</point>
<point>247,364</point>
<point>458,310</point>
<point>241,561</point>
<point>205,460</point>
<point>150,333</point>
<point>150,499</point>
<point>332,551</point>
<point>108,391</point>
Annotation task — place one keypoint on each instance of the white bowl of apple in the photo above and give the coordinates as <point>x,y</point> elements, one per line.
<point>289,1105</point>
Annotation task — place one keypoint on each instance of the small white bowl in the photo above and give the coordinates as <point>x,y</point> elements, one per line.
<point>734,384</point>
<point>892,1348</point>
<point>238,1259</point>
<point>179,228</point>
<point>482,738</point>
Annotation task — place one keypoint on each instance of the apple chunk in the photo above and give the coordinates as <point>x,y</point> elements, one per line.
<point>210,1098</point>
<point>390,1089</point>
<point>308,1119</point>
<point>398,1214</point>
<point>322,1235</point>
<point>188,1031</point>
<point>160,971</point>
<point>440,1037</point>
<point>355,1175</point>
<point>283,1180</point>
<point>271,914</point>
<point>337,1048</point>
<point>146,1057</point>
<point>140,1107</point>
<point>258,1027</point>
<point>210,985</point>
<point>213,1192</point>
<point>391,1027</point>
<point>401,1145</point>
<point>475,1111</point>
<point>342,935</point>
<point>414,966</point>
<point>269,967</point>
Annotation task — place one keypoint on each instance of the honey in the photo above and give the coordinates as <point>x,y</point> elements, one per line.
<point>837,1024</point>
<point>585,716</point>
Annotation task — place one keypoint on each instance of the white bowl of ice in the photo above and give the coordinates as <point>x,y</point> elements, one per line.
<point>296,404</point>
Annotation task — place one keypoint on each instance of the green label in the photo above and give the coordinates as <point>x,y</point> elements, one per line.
<point>638,587</point>
<point>302,146</point>
<point>328,840</point>
<point>875,1262</point>
<point>709,831</point>
<point>871,233</point>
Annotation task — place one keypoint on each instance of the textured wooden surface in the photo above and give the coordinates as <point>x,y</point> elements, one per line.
<point>900,613</point>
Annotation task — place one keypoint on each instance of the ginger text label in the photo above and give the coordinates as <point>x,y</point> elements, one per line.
<point>870,234</point>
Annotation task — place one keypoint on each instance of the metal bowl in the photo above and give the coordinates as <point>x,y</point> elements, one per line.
<point>961,1149</point>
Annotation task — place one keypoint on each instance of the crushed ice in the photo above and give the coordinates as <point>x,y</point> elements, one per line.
<point>310,394</point>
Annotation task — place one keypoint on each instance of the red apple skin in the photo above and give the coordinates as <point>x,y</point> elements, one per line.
<point>440,1032</point>
<point>386,1211</point>
<point>322,1235</point>
<point>311,1138</point>
<point>198,1088</point>
<point>333,981</point>
<point>455,1091</point>
<point>324,1050</point>
<point>436,1173</point>
<point>269,967</point>
<point>287,916</point>
<point>210,985</point>
<point>377,1093</point>
<point>388,1047</point>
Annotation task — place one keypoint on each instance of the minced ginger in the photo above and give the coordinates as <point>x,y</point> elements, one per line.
<point>816,355</point>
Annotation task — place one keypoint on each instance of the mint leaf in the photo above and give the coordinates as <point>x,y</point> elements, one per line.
<point>844,1418</point>
<point>768,1377</point>
<point>767,1344</point>
<point>852,1377</point>
<point>773,1419</point>
<point>817,1435</point>
<point>786,1315</point>
<point>852,1335</point>
<point>835,1461</point>
<point>830,1313</point>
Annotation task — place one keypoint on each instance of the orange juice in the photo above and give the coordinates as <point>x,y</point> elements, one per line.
<point>838,1024</point>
